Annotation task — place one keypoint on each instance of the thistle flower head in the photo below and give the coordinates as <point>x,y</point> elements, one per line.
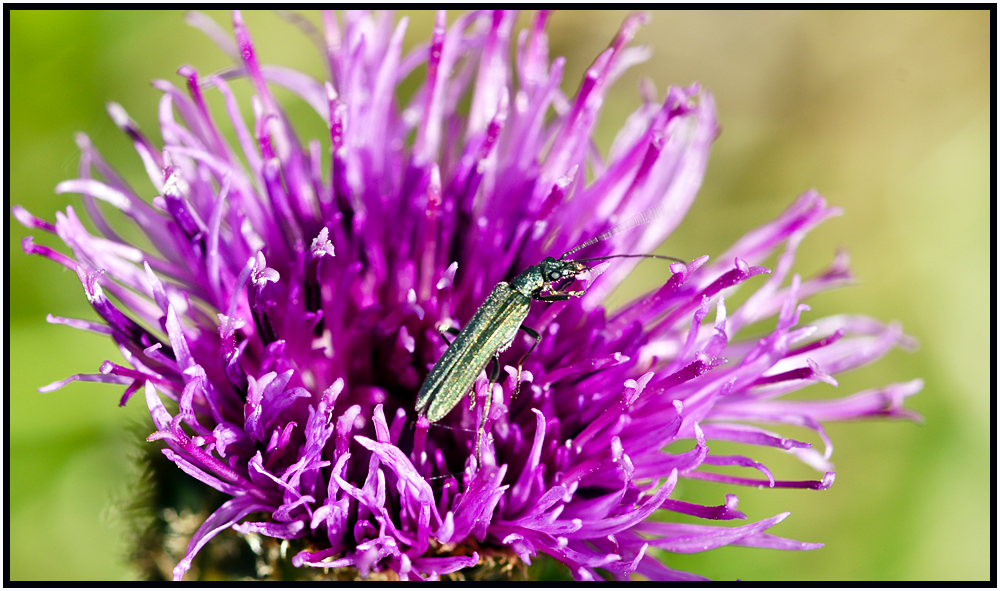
<point>285,311</point>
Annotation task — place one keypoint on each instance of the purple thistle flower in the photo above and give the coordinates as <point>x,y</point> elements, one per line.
<point>283,315</point>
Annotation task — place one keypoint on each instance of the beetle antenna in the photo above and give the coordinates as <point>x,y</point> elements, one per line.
<point>443,476</point>
<point>643,218</point>
<point>632,256</point>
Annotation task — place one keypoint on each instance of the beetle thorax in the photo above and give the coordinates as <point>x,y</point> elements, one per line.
<point>529,282</point>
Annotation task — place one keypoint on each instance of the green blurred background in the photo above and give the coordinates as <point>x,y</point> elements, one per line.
<point>885,113</point>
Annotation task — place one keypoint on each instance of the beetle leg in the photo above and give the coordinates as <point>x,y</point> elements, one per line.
<point>520,364</point>
<point>560,296</point>
<point>449,329</point>
<point>494,374</point>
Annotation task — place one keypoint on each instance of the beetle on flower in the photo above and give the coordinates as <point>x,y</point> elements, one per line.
<point>284,318</point>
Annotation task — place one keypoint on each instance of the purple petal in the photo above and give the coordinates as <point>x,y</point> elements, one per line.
<point>225,516</point>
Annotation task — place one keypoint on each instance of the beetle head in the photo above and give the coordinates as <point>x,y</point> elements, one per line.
<point>554,270</point>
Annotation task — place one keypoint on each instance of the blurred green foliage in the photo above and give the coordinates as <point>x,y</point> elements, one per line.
<point>886,113</point>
